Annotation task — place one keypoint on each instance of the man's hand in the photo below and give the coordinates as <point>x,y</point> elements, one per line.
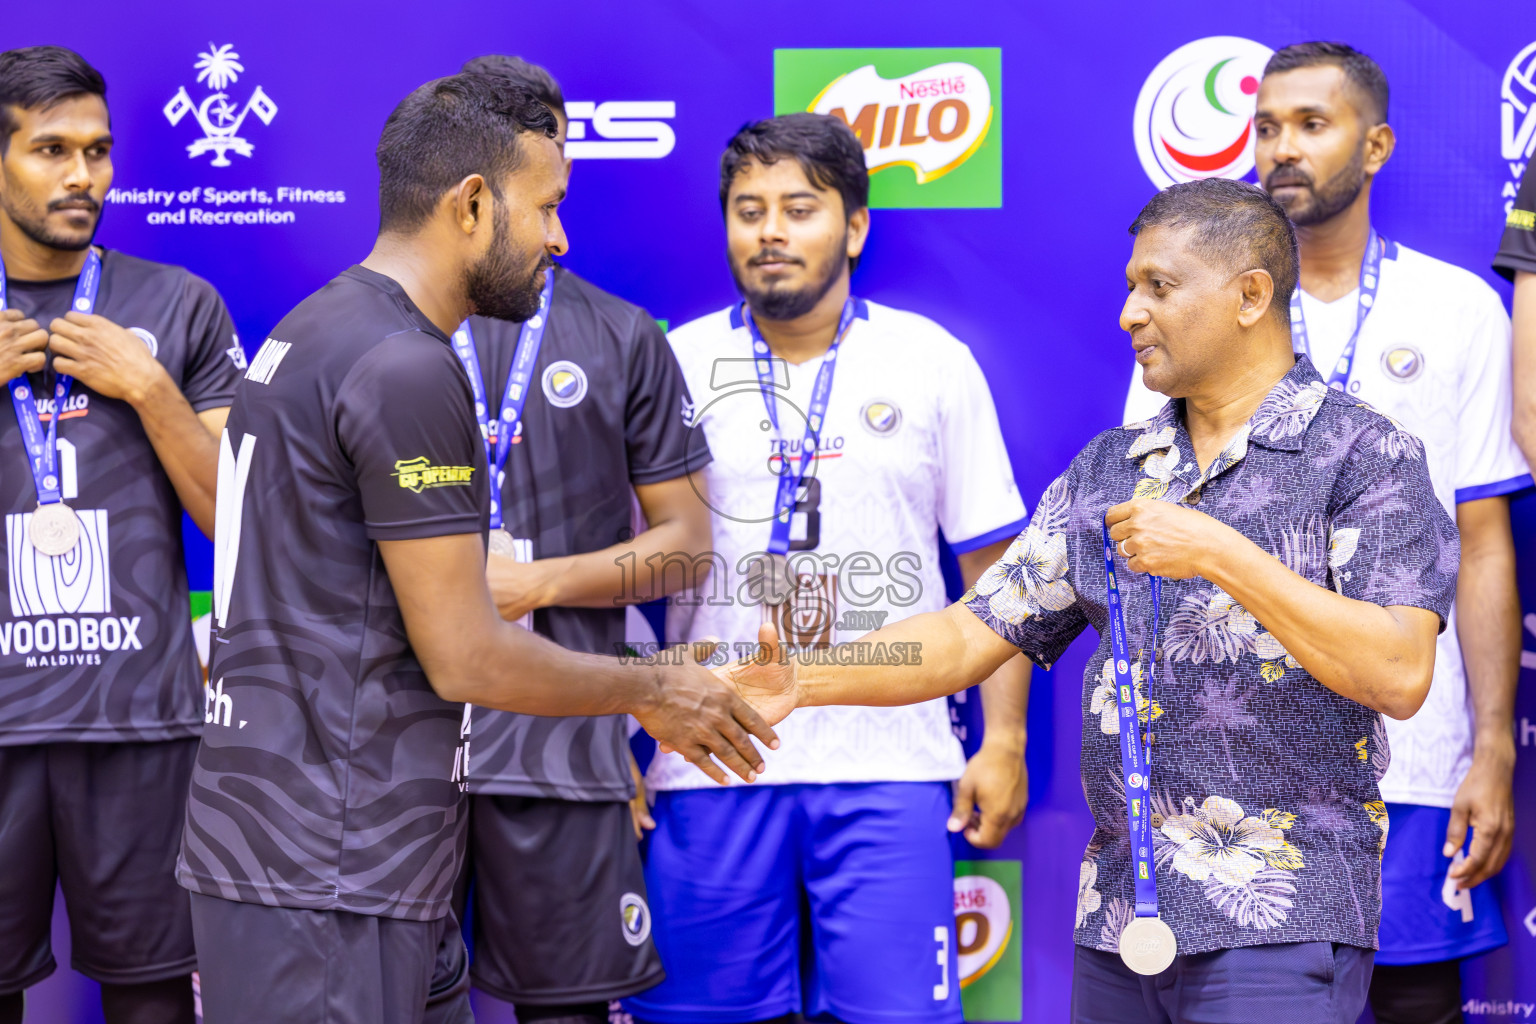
<point>1485,801</point>
<point>697,714</point>
<point>639,807</point>
<point>110,360</point>
<point>1164,539</point>
<point>22,344</point>
<point>517,587</point>
<point>991,796</point>
<point>766,681</point>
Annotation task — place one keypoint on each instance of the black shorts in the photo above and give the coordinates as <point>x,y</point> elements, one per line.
<point>261,964</point>
<point>560,914</point>
<point>102,821</point>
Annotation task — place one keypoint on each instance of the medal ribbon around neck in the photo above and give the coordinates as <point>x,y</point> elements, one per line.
<point>1370,280</point>
<point>789,480</point>
<point>498,433</point>
<point>43,449</point>
<point>1135,761</point>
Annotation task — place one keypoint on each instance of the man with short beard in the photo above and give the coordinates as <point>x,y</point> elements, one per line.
<point>120,372</point>
<point>1428,344</point>
<point>828,495</point>
<point>351,620</point>
<point>585,415</point>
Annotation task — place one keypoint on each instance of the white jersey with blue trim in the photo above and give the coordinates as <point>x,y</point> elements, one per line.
<point>911,446</point>
<point>1434,354</point>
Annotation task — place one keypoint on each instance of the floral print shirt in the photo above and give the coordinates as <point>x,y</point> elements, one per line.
<point>1268,826</point>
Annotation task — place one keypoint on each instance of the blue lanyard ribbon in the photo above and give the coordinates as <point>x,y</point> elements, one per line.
<point>789,480</point>
<point>1370,280</point>
<point>43,449</point>
<point>498,433</point>
<point>1135,761</point>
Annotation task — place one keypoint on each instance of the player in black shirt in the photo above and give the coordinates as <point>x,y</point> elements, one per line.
<point>103,694</point>
<point>1516,260</point>
<point>556,809</point>
<point>351,617</point>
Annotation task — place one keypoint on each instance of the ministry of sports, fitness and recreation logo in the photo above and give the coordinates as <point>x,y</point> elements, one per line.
<point>1403,364</point>
<point>987,899</point>
<point>634,918</point>
<point>220,119</point>
<point>565,383</point>
<point>1194,116</point>
<point>880,417</point>
<point>929,119</point>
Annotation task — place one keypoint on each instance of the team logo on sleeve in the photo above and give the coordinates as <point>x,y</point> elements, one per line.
<point>635,918</point>
<point>880,417</point>
<point>565,384</point>
<point>1194,117</point>
<point>1403,364</point>
<point>417,475</point>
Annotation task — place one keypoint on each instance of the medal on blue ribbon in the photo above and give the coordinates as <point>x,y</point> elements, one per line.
<point>498,433</point>
<point>1370,281</point>
<point>54,528</point>
<point>1147,945</point>
<point>774,569</point>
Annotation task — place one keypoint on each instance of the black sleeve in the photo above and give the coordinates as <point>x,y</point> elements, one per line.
<point>1517,250</point>
<point>214,358</point>
<point>405,422</point>
<point>658,418</point>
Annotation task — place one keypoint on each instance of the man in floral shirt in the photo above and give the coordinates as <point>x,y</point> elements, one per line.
<point>1307,568</point>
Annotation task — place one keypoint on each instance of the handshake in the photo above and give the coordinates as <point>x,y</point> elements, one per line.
<point>708,714</point>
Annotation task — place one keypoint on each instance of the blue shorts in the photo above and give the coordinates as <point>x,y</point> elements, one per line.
<point>770,900</point>
<point>1293,982</point>
<point>1421,922</point>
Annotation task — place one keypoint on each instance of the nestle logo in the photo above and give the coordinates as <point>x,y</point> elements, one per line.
<point>926,87</point>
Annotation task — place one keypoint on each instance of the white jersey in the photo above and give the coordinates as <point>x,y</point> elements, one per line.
<point>910,446</point>
<point>1434,354</point>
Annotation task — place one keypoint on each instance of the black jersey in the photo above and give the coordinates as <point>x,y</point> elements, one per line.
<point>1517,250</point>
<point>608,409</point>
<point>96,645</point>
<point>330,774</point>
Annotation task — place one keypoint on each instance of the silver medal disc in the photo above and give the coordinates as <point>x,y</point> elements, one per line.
<point>773,571</point>
<point>55,529</point>
<point>1147,945</point>
<point>502,544</point>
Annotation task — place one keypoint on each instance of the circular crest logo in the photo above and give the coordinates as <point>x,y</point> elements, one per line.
<point>1517,113</point>
<point>1403,364</point>
<point>565,384</point>
<point>983,925</point>
<point>1194,117</point>
<point>147,339</point>
<point>1134,780</point>
<point>635,918</point>
<point>880,417</point>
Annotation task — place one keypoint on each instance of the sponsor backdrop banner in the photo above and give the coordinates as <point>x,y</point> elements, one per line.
<point>245,138</point>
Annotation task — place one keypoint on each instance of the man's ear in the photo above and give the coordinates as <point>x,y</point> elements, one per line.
<point>471,201</point>
<point>1258,293</point>
<point>858,232</point>
<point>1380,141</point>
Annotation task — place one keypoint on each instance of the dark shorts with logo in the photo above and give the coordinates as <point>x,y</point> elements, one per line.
<point>261,964</point>
<point>559,910</point>
<point>102,822</point>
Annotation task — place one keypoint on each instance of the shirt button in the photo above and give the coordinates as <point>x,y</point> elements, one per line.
<point>1193,498</point>
<point>1157,821</point>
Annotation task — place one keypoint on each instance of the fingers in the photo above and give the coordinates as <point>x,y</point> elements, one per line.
<point>747,717</point>
<point>965,805</point>
<point>1456,833</point>
<point>1119,513</point>
<point>704,763</point>
<point>66,367</point>
<point>12,315</point>
<point>64,345</point>
<point>735,749</point>
<point>640,817</point>
<point>1474,869</point>
<point>768,638</point>
<point>988,833</point>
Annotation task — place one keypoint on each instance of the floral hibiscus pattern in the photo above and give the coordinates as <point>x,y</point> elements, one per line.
<point>1267,823</point>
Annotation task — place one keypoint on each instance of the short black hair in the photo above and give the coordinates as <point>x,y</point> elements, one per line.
<point>1237,226</point>
<point>1363,73</point>
<point>447,130</point>
<point>37,77</point>
<point>524,74</point>
<point>824,146</point>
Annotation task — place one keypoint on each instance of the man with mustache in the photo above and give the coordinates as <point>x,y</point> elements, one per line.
<point>352,624</point>
<point>120,373</point>
<point>1428,344</point>
<point>586,415</point>
<point>846,435</point>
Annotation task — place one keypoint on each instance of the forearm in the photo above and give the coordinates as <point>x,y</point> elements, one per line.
<point>1525,364</point>
<point>658,562</point>
<point>1005,704</point>
<point>1488,628</point>
<point>188,453</point>
<point>948,654</point>
<point>1357,649</point>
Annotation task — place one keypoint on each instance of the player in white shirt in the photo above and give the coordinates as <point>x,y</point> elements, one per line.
<point>1433,351</point>
<point>843,839</point>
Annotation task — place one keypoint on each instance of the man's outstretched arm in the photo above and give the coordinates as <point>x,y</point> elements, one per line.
<point>470,654</point>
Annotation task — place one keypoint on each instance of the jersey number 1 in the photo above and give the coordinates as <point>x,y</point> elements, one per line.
<point>229,509</point>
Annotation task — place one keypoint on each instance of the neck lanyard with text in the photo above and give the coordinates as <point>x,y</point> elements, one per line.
<point>1370,280</point>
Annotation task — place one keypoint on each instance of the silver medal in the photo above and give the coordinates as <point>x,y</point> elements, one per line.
<point>502,544</point>
<point>55,529</point>
<point>1147,945</point>
<point>773,572</point>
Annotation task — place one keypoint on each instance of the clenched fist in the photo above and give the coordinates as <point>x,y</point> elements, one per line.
<point>22,345</point>
<point>1164,539</point>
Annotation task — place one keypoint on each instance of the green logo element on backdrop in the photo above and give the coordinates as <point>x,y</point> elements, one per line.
<point>987,905</point>
<point>930,119</point>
